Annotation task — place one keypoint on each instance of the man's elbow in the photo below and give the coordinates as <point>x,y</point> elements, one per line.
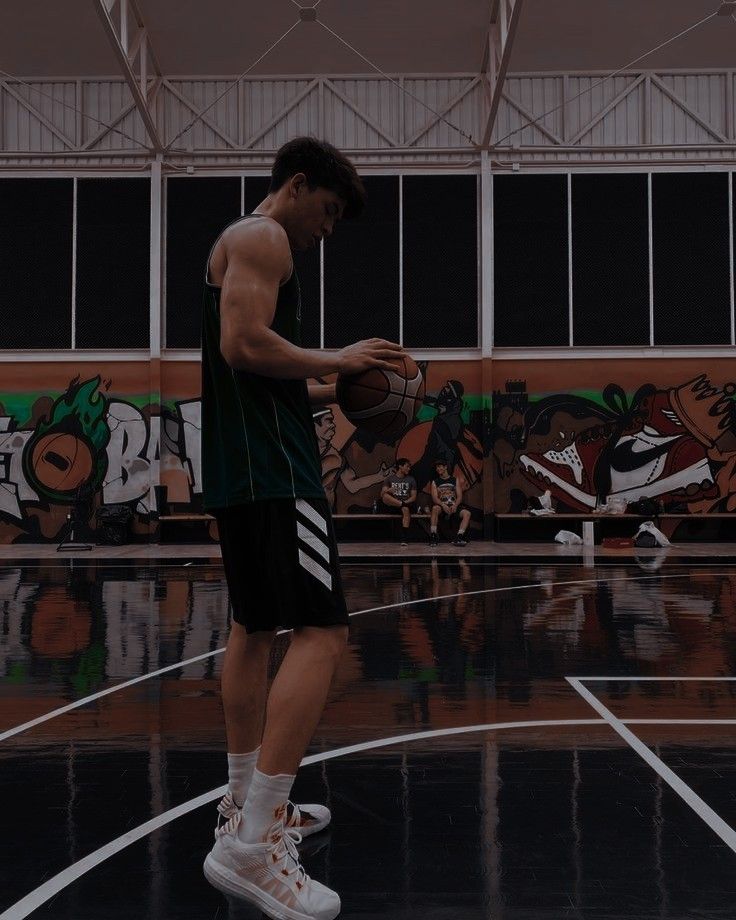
<point>237,355</point>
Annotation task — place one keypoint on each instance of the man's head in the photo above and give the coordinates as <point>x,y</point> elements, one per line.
<point>324,422</point>
<point>441,468</point>
<point>317,186</point>
<point>403,466</point>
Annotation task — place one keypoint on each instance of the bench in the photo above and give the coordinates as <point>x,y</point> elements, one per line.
<point>185,517</point>
<point>596,516</point>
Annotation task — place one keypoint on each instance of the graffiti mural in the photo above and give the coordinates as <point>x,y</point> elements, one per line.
<point>355,462</point>
<point>675,445</point>
<point>85,449</point>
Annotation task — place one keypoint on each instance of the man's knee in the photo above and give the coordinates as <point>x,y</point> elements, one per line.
<point>331,639</point>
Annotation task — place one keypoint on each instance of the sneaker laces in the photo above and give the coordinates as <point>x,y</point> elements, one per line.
<point>227,803</point>
<point>283,841</point>
<point>289,835</point>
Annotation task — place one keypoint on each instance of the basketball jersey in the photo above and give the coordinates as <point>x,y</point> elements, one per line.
<point>446,489</point>
<point>258,437</point>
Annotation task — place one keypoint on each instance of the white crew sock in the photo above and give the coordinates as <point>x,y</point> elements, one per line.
<point>433,529</point>
<point>266,795</point>
<point>240,769</point>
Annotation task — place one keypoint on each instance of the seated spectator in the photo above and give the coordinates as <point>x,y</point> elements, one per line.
<point>398,494</point>
<point>447,496</point>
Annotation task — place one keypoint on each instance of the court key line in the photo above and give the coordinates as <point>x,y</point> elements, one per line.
<point>66,877</point>
<point>686,793</point>
<point>54,713</point>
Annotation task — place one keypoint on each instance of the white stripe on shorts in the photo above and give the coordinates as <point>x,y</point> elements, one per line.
<point>315,569</point>
<point>310,514</point>
<point>313,542</point>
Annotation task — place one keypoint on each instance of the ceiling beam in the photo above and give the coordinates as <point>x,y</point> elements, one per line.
<point>505,15</point>
<point>127,50</point>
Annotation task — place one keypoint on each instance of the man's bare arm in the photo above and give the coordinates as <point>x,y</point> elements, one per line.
<point>322,394</point>
<point>258,263</point>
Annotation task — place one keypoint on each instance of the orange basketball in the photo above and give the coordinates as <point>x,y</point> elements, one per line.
<point>61,462</point>
<point>381,401</point>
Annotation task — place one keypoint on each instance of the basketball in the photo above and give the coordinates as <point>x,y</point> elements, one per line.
<point>382,402</point>
<point>61,462</point>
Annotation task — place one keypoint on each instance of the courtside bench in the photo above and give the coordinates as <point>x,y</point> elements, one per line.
<point>545,526</point>
<point>166,521</point>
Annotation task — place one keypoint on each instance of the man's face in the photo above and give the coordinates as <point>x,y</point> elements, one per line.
<point>314,214</point>
<point>441,470</point>
<point>326,426</point>
<point>404,469</point>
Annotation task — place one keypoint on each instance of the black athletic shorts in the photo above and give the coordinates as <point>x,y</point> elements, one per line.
<point>281,564</point>
<point>396,509</point>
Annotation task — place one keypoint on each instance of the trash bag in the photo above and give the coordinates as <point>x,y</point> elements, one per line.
<point>113,524</point>
<point>569,538</point>
<point>649,536</point>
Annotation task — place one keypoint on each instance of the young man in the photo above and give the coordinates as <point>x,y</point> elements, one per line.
<point>398,494</point>
<point>447,496</point>
<point>263,482</point>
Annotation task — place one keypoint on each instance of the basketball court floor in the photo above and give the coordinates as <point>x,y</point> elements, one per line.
<point>517,732</point>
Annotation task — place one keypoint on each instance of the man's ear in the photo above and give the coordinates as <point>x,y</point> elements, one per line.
<point>297,184</point>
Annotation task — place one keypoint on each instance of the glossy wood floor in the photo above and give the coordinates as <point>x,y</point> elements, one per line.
<point>509,736</point>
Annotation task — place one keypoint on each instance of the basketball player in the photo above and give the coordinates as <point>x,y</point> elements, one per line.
<point>447,496</point>
<point>263,482</point>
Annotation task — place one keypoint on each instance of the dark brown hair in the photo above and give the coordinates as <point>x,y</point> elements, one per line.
<point>324,166</point>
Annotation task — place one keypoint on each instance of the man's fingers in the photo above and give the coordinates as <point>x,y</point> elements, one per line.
<point>387,353</point>
<point>384,343</point>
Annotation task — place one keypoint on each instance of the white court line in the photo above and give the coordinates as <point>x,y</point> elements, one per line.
<point>68,876</point>
<point>688,795</point>
<point>17,729</point>
<point>629,677</point>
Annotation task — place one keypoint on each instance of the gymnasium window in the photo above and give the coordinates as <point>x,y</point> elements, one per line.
<point>531,260</point>
<point>610,259</point>
<point>692,277</point>
<point>361,270</point>
<point>36,263</point>
<point>440,255</point>
<point>197,209</point>
<point>113,263</point>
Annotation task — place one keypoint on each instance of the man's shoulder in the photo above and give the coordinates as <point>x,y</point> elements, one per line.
<point>256,239</point>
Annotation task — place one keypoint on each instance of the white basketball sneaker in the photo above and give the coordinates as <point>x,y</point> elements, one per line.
<point>268,874</point>
<point>307,819</point>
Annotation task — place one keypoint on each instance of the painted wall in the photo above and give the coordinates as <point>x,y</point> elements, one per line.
<point>585,430</point>
<point>87,436</point>
<point>111,433</point>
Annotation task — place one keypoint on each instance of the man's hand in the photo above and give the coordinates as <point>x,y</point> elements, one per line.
<point>369,353</point>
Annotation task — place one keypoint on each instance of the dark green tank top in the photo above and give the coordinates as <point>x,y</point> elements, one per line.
<point>258,437</point>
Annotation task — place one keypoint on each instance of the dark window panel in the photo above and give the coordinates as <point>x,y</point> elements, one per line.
<point>361,270</point>
<point>440,261</point>
<point>692,296</point>
<point>36,263</point>
<point>197,211</point>
<point>254,191</point>
<point>610,259</point>
<point>531,261</point>
<point>307,268</point>
<point>113,263</point>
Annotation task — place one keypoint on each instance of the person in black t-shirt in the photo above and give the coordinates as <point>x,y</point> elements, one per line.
<point>447,496</point>
<point>399,493</point>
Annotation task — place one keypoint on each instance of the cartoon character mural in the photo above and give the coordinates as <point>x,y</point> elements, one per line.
<point>674,445</point>
<point>355,463</point>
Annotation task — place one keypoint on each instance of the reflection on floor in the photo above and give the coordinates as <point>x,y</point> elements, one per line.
<point>480,815</point>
